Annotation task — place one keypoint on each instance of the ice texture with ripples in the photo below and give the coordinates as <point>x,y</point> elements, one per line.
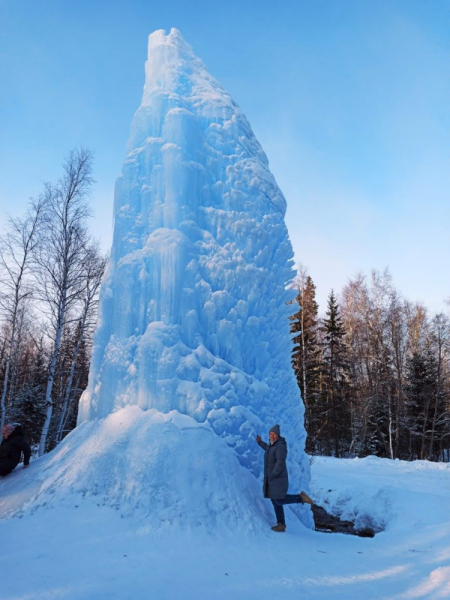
<point>195,305</point>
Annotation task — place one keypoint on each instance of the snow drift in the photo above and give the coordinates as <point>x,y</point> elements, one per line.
<point>78,550</point>
<point>157,468</point>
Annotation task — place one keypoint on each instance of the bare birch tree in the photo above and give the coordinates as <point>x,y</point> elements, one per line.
<point>93,268</point>
<point>60,260</point>
<point>16,250</point>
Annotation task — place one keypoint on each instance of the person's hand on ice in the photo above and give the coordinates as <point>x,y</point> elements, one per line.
<point>258,439</point>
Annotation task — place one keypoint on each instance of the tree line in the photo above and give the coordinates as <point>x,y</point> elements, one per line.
<point>374,372</point>
<point>50,274</point>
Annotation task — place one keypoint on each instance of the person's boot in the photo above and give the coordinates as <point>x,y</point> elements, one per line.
<point>281,527</point>
<point>305,498</point>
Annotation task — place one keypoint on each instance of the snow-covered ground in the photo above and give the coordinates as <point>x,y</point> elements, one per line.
<point>69,543</point>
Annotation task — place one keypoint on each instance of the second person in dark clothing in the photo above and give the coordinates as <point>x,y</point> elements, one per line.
<point>11,448</point>
<point>276,481</point>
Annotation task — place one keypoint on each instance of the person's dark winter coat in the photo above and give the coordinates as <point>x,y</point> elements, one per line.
<point>11,451</point>
<point>276,480</point>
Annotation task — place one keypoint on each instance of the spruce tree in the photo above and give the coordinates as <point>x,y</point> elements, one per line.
<point>381,422</point>
<point>421,396</point>
<point>305,357</point>
<point>333,415</point>
<point>306,352</point>
<point>28,407</point>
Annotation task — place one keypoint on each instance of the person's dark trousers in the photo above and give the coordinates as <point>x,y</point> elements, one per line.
<point>6,466</point>
<point>278,505</point>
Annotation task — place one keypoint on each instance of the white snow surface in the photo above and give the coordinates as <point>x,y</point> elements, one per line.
<point>162,468</point>
<point>64,540</point>
<point>194,309</point>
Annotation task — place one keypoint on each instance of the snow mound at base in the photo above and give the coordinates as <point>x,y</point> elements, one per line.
<point>160,468</point>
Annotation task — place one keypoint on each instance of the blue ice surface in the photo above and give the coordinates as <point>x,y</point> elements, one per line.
<point>195,305</point>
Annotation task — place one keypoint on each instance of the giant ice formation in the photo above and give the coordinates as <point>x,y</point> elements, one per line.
<point>194,313</point>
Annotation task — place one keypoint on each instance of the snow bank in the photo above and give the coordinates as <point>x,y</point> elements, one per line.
<point>163,470</point>
<point>81,548</point>
<point>380,493</point>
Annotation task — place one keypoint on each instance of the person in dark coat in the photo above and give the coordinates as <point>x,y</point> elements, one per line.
<point>11,448</point>
<point>276,481</point>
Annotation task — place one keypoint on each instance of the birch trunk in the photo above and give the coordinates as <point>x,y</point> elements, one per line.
<point>50,380</point>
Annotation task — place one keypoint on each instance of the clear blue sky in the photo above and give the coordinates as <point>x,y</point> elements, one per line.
<point>349,99</point>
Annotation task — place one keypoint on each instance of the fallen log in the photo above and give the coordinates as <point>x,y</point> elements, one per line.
<point>327,523</point>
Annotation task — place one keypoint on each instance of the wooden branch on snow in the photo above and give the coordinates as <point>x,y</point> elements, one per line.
<point>327,523</point>
<point>330,524</point>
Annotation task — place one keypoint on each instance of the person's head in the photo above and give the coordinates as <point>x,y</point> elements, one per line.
<point>274,433</point>
<point>7,431</point>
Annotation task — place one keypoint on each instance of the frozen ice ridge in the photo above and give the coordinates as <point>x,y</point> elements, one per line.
<point>194,313</point>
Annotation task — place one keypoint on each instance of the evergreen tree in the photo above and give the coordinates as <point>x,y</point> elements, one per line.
<point>305,357</point>
<point>59,384</point>
<point>439,437</point>
<point>29,407</point>
<point>333,413</point>
<point>421,396</point>
<point>380,419</point>
<point>306,352</point>
<point>79,385</point>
